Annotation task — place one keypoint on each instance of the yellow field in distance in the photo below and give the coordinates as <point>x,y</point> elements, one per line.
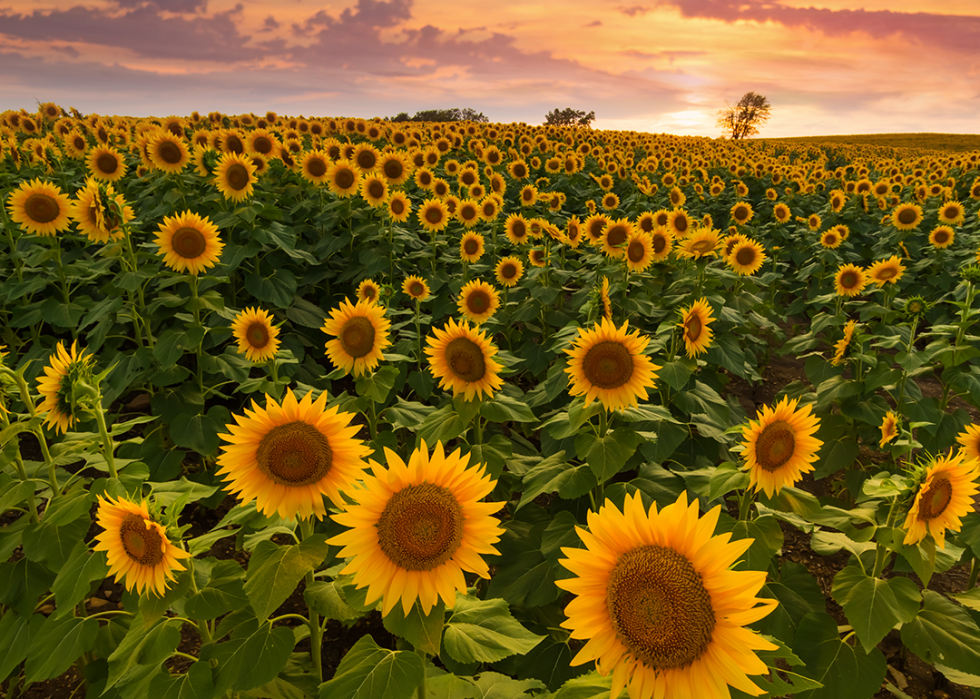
<point>925,141</point>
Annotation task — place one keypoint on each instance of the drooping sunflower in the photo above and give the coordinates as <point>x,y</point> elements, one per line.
<point>639,251</point>
<point>742,213</point>
<point>886,271</point>
<point>840,348</point>
<point>416,287</point>
<point>944,496</point>
<point>96,216</point>
<point>478,301</point>
<point>416,527</point>
<point>137,549</point>
<point>462,359</point>
<point>189,243</point>
<point>662,610</point>
<point>40,208</point>
<point>509,271</point>
<point>368,291</point>
<point>695,320</point>
<point>287,457</point>
<point>701,243</point>
<point>63,369</point>
<point>362,334</point>
<point>850,280</point>
<point>905,217</point>
<point>258,338</point>
<point>471,247</point>
<point>433,215</point>
<point>780,446</point>
<point>106,163</point>
<point>889,428</point>
<point>942,237</point>
<point>604,299</point>
<point>746,257</point>
<point>168,152</point>
<point>608,364</point>
<point>343,179</point>
<point>234,176</point>
<point>314,166</point>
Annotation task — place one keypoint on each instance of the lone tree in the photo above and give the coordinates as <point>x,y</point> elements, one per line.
<point>745,118</point>
<point>568,117</point>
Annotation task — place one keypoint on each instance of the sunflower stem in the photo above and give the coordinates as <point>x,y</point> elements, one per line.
<point>200,343</point>
<point>19,464</point>
<point>881,555</point>
<point>316,632</point>
<point>202,625</point>
<point>418,330</point>
<point>65,290</point>
<point>745,505</point>
<point>974,571</point>
<point>372,418</point>
<point>422,689</point>
<point>18,263</point>
<point>108,446</point>
<point>140,311</point>
<point>603,424</point>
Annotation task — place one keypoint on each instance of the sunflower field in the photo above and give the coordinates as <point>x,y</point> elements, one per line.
<point>333,408</point>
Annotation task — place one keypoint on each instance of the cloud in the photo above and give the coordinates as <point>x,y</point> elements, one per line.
<point>593,23</point>
<point>175,6</point>
<point>634,10</point>
<point>270,24</point>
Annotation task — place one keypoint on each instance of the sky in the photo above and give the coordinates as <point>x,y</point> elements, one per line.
<point>826,66</point>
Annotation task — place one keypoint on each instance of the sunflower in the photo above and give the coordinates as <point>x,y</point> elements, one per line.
<point>969,440</point>
<point>889,428</point>
<point>263,142</point>
<point>343,179</point>
<point>840,348</point>
<point>468,213</point>
<point>604,299</point>
<point>813,222</point>
<point>639,251</point>
<point>137,548</point>
<point>780,446</point>
<point>730,241</point>
<point>258,338</point>
<point>945,495</point>
<point>662,242</point>
<point>462,359</point>
<point>742,213</point>
<point>63,370</point>
<point>362,333</point>
<point>433,215</point>
<point>40,208</point>
<point>837,199</point>
<point>538,257</point>
<point>394,168</point>
<point>610,202</point>
<point>478,301</point>
<point>189,243</point>
<point>608,364</point>
<point>424,178</point>
<point>509,271</point>
<point>746,257</point>
<point>106,163</point>
<point>168,152</point>
<point>614,237</point>
<point>489,208</point>
<point>416,527</point>
<point>235,176</point>
<point>679,223</point>
<point>95,216</point>
<point>850,280</point>
<point>416,287</point>
<point>368,291</point>
<point>471,247</point>
<point>886,271</point>
<point>529,195</point>
<point>695,320</point>
<point>905,217</point>
<point>662,610</point>
<point>942,237</point>
<point>374,190</point>
<point>287,457</point>
<point>952,212</point>
<point>706,241</point>
<point>830,239</point>
<point>315,167</point>
<point>781,213</point>
<point>518,169</point>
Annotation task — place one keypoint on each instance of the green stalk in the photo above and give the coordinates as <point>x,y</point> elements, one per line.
<point>316,633</point>
<point>745,505</point>
<point>200,343</point>
<point>422,689</point>
<point>18,263</point>
<point>140,311</point>
<point>881,554</point>
<point>108,446</point>
<point>418,330</point>
<point>202,625</point>
<point>52,475</point>
<point>21,470</point>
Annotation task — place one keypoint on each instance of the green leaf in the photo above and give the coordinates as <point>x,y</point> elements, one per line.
<point>274,571</point>
<point>57,644</point>
<point>798,594</point>
<point>768,537</point>
<point>21,582</point>
<point>423,631</point>
<point>493,453</point>
<point>223,593</point>
<point>196,683</point>
<point>607,455</point>
<point>781,682</point>
<point>279,289</point>
<point>676,373</point>
<point>874,606</point>
<point>16,632</point>
<point>503,408</point>
<point>555,474</point>
<point>141,653</point>
<point>377,385</point>
<point>406,414</point>
<point>834,456</point>
<point>75,579</point>
<point>325,599</point>
<point>524,576</point>
<point>590,686</point>
<point>550,661</point>
<point>943,633</point>
<point>371,672</point>
<point>493,685</point>
<point>485,631</point>
<point>52,545</point>
<point>200,432</point>
<point>726,478</point>
<point>448,686</point>
<point>252,657</point>
<point>844,672</point>
<point>307,314</point>
<point>969,599</point>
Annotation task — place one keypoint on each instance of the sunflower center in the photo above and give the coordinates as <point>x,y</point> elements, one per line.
<point>344,179</point>
<point>257,335</point>
<point>262,145</point>
<point>41,208</point>
<point>415,289</point>
<point>357,337</point>
<point>237,176</point>
<point>393,169</point>
<point>397,207</point>
<point>741,213</point>
<point>935,500</point>
<point>466,359</point>
<point>189,243</point>
<point>849,280</point>
<point>169,152</point>
<point>659,607</point>
<point>107,163</point>
<point>316,167</point>
<point>942,236</point>
<point>470,246</point>
<point>366,160</point>
<point>519,230</point>
<point>635,251</point>
<point>692,326</point>
<point>145,546</point>
<point>234,144</point>
<point>617,236</point>
<point>745,256</point>
<point>659,243</point>
<point>369,293</point>
<point>294,454</point>
<point>702,246</point>
<point>886,273</point>
<point>608,365</point>
<point>478,301</point>
<point>775,445</point>
<point>680,223</point>
<point>508,270</point>
<point>421,527</point>
<point>906,216</point>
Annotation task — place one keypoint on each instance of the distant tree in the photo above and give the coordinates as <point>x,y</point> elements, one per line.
<point>454,114</point>
<point>568,117</point>
<point>745,118</point>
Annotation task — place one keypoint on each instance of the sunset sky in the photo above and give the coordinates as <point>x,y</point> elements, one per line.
<point>827,66</point>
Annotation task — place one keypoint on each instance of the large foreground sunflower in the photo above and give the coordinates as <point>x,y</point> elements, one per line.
<point>780,446</point>
<point>945,495</point>
<point>137,549</point>
<point>63,369</point>
<point>189,243</point>
<point>659,604</point>
<point>462,359</point>
<point>287,457</point>
<point>258,338</point>
<point>417,527</point>
<point>40,208</point>
<point>695,320</point>
<point>362,333</point>
<point>608,364</point>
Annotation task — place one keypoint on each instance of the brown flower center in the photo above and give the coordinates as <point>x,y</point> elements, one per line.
<point>934,501</point>
<point>659,607</point>
<point>907,216</point>
<point>468,213</point>
<point>680,224</point>
<point>886,273</point>
<point>636,252</point>
<point>421,527</point>
<point>257,335</point>
<point>471,246</point>
<point>659,243</point>
<point>465,359</point>
<point>376,189</point>
<point>262,145</point>
<point>616,236</point>
<point>850,279</point>
<point>416,289</point>
<point>741,214</point>
<point>775,445</point>
<point>107,163</point>
<point>394,169</point>
<point>942,237</point>
<point>42,208</point>
<point>169,152</point>
<point>508,270</point>
<point>237,177</point>
<point>692,327</point>
<point>189,243</point>
<point>433,215</point>
<point>357,337</point>
<point>344,178</point>
<point>233,144</point>
<point>745,256</point>
<point>144,545</point>
<point>397,207</point>
<point>608,365</point>
<point>518,230</point>
<point>477,301</point>
<point>316,167</point>
<point>366,160</point>
<point>294,454</point>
